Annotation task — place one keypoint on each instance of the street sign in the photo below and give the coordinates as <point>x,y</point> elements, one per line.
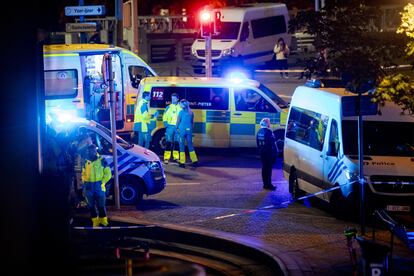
<point>80,27</point>
<point>85,10</point>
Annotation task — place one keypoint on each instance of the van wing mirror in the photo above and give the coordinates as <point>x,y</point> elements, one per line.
<point>333,149</point>
<point>136,80</point>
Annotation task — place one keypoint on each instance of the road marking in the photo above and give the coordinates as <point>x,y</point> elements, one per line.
<point>274,182</point>
<point>183,183</point>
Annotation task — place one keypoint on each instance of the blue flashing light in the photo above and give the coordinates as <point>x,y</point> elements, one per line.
<point>236,77</point>
<point>313,83</point>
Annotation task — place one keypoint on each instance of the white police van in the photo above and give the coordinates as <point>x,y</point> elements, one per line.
<point>247,37</point>
<point>321,149</point>
<point>140,170</point>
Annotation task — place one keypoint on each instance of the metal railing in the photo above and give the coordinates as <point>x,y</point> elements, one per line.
<point>167,24</point>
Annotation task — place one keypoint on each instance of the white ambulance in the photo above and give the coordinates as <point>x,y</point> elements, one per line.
<point>248,35</point>
<point>321,149</point>
<point>74,85</point>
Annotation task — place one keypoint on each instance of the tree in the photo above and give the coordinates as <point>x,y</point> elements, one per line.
<point>399,88</point>
<point>358,51</point>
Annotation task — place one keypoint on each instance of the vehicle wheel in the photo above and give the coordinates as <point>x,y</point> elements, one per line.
<point>158,141</point>
<point>294,185</point>
<point>130,191</point>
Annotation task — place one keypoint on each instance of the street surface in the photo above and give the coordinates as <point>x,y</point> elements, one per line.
<point>225,194</point>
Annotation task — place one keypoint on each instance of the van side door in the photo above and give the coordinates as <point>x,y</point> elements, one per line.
<point>248,109</point>
<point>332,165</point>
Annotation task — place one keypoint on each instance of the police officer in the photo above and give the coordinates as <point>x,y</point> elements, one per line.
<point>185,122</point>
<point>95,174</point>
<point>171,136</point>
<point>142,120</point>
<point>267,149</point>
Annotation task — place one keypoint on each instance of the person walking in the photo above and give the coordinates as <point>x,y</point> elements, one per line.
<point>171,135</point>
<point>281,51</point>
<point>185,124</point>
<point>142,120</point>
<point>95,174</point>
<point>267,148</point>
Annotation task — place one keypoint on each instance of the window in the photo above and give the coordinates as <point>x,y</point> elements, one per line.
<point>307,127</point>
<point>228,30</point>
<point>208,98</point>
<point>380,138</point>
<point>137,73</point>
<point>244,32</point>
<point>161,96</point>
<point>333,139</point>
<point>198,97</point>
<point>250,100</point>
<point>268,26</point>
<point>61,84</point>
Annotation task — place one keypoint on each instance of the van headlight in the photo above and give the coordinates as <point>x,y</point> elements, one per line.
<point>351,175</point>
<point>228,52</point>
<point>153,165</point>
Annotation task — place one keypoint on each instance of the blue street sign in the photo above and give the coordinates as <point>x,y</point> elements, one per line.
<point>84,10</point>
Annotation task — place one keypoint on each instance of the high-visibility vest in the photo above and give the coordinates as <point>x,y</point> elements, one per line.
<point>96,171</point>
<point>171,114</point>
<point>142,115</point>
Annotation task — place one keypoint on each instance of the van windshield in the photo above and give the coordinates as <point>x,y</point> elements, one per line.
<point>229,30</point>
<point>380,138</point>
<point>272,95</point>
<point>124,144</point>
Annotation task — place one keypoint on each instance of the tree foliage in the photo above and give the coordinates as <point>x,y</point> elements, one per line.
<point>399,88</point>
<point>358,51</point>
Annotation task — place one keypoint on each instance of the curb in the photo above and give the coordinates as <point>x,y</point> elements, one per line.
<point>286,265</point>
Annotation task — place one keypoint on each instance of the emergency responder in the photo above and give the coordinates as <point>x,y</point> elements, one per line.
<point>95,174</point>
<point>185,124</point>
<point>267,148</point>
<point>171,136</point>
<point>80,152</point>
<point>142,120</point>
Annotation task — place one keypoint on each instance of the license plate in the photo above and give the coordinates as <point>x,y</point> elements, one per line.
<point>398,208</point>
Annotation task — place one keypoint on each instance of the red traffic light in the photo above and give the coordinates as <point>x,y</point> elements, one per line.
<point>205,16</point>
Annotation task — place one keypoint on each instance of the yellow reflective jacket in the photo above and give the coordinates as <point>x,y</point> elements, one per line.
<point>96,171</point>
<point>171,114</point>
<point>142,115</point>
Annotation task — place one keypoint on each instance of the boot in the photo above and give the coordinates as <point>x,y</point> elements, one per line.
<point>104,221</point>
<point>176,155</point>
<point>193,157</point>
<point>167,156</point>
<point>95,222</point>
<point>182,159</point>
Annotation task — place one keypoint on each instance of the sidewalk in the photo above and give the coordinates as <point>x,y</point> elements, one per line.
<point>314,246</point>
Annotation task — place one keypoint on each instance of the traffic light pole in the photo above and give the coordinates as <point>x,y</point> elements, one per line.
<point>208,63</point>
